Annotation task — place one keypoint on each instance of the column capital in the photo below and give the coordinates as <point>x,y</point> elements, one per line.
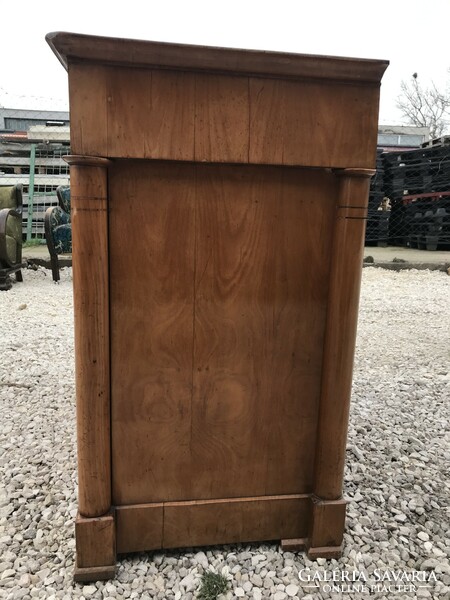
<point>354,172</point>
<point>87,161</point>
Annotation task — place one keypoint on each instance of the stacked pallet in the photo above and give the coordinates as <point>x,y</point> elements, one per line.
<point>377,229</point>
<point>418,185</point>
<point>429,222</point>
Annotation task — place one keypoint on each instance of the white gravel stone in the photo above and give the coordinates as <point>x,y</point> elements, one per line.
<point>291,590</point>
<point>8,573</point>
<point>395,471</point>
<point>188,582</point>
<point>201,559</point>
<point>88,590</point>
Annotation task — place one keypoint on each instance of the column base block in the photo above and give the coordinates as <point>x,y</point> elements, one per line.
<point>327,524</point>
<point>324,552</point>
<point>95,547</point>
<point>84,574</point>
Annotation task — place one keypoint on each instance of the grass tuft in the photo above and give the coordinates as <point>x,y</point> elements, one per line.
<point>33,242</point>
<point>212,585</point>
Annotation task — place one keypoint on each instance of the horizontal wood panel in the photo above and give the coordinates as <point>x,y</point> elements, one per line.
<point>144,113</point>
<point>139,527</point>
<point>316,124</point>
<point>223,521</point>
<point>227,522</point>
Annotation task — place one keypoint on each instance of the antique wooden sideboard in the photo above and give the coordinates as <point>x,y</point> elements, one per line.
<point>218,209</point>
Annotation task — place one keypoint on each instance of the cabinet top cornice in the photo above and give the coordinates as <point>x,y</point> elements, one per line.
<point>74,47</point>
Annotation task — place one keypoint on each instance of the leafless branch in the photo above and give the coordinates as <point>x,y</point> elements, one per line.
<point>425,107</point>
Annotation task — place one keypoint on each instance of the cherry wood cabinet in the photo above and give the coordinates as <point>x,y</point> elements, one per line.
<point>219,200</point>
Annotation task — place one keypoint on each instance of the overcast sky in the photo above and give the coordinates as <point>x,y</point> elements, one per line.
<point>411,34</point>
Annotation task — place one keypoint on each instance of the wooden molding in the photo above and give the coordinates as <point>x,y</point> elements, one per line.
<point>355,172</point>
<point>86,161</point>
<point>70,47</point>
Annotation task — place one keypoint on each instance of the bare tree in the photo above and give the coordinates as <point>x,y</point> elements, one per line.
<point>424,106</point>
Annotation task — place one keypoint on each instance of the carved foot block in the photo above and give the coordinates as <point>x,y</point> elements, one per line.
<point>327,527</point>
<point>96,548</point>
<point>293,545</point>
<point>324,552</point>
<point>81,574</point>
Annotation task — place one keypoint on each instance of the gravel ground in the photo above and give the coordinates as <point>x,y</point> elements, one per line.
<point>398,452</point>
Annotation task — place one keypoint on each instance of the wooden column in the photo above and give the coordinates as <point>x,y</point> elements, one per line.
<point>95,531</point>
<point>328,507</point>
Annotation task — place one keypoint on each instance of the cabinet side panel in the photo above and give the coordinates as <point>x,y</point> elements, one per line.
<point>219,279</point>
<point>151,263</point>
<point>262,257</point>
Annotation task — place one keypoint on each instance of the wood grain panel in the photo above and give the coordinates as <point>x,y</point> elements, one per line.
<point>232,378</point>
<point>88,109</point>
<point>144,113</point>
<point>139,527</point>
<point>170,129</point>
<point>262,259</point>
<point>221,118</point>
<point>152,267</point>
<point>199,523</point>
<point>230,521</point>
<point>315,124</point>
<point>129,105</point>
